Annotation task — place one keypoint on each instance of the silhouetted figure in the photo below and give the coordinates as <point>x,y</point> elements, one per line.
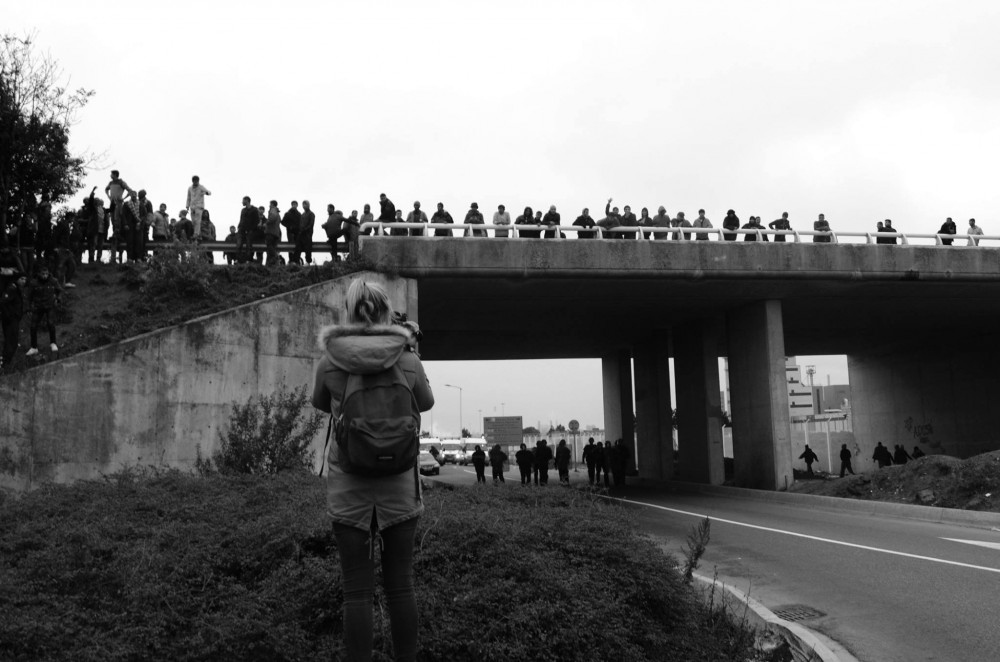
<point>882,455</point>
<point>809,456</point>
<point>600,463</point>
<point>479,462</point>
<point>821,225</point>
<point>730,222</point>
<point>543,454</point>
<point>497,458</point>
<point>562,461</point>
<point>620,456</point>
<point>900,456</point>
<point>589,459</point>
<point>947,228</point>
<point>525,461</point>
<point>845,461</point>
<point>917,453</point>
<point>609,462</point>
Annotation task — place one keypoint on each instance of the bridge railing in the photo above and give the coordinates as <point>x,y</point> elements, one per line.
<point>562,232</point>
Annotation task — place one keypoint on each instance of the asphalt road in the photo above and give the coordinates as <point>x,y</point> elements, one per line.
<point>888,590</point>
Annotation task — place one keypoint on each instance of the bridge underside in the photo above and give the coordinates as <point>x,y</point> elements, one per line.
<point>918,323</point>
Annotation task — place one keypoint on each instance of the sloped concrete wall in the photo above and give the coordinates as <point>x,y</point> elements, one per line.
<point>158,398</point>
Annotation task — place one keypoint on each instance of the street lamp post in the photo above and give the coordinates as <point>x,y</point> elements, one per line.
<point>460,426</point>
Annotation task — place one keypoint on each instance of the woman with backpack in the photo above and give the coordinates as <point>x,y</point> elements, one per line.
<point>370,505</point>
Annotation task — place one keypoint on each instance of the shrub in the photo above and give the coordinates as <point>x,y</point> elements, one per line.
<point>269,434</point>
<point>182,268</point>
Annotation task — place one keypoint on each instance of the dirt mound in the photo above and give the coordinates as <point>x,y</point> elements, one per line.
<point>933,480</point>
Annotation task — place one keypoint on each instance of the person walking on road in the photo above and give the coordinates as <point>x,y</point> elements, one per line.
<point>590,459</point>
<point>562,462</point>
<point>479,462</point>
<point>542,456</point>
<point>525,461</point>
<point>845,460</point>
<point>497,458</point>
<point>809,456</point>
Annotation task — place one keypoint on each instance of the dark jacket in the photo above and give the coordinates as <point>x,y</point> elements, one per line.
<point>474,217</point>
<point>479,459</point>
<point>249,219</point>
<point>525,459</point>
<point>292,220</point>
<point>11,302</point>
<point>45,294</point>
<point>442,217</point>
<point>387,211</point>
<point>584,222</point>
<point>543,454</point>
<point>562,457</point>
<point>497,458</point>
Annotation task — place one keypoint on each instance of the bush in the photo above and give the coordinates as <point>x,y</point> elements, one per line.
<point>269,434</point>
<point>168,566</point>
<point>182,268</point>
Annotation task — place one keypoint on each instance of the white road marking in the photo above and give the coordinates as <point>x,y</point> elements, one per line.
<point>980,543</point>
<point>809,537</point>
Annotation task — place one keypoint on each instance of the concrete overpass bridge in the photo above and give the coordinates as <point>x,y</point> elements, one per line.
<point>918,323</point>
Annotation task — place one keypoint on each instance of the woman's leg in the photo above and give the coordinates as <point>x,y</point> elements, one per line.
<point>358,573</point>
<point>397,573</point>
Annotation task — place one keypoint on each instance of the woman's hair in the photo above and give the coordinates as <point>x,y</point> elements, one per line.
<point>368,303</point>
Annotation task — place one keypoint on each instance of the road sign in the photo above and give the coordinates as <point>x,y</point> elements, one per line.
<point>503,430</point>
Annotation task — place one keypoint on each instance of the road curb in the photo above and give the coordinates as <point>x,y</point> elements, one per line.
<point>804,645</point>
<point>973,518</point>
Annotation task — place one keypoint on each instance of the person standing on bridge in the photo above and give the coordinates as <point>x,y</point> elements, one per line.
<point>442,217</point>
<point>809,456</point>
<point>780,224</point>
<point>845,461</point>
<point>525,461</point>
<point>368,217</point>
<point>387,210</point>
<point>974,232</point>
<point>527,218</point>
<point>888,228</point>
<point>475,217</point>
<point>584,220</point>
<point>732,223</point>
<point>948,228</point>
<point>701,222</point>
<point>552,220</point>
<point>501,217</point>
<point>821,225</point>
<point>416,216</point>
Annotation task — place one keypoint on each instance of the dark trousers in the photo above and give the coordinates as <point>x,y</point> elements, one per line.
<point>525,474</point>
<point>598,470</point>
<point>358,571</point>
<point>541,475</point>
<point>845,465</point>
<point>590,472</point>
<point>37,316</point>
<point>293,239</point>
<point>564,475</point>
<point>271,242</point>
<point>480,473</point>
<point>11,327</point>
<point>809,468</point>
<point>498,474</point>
<point>304,247</point>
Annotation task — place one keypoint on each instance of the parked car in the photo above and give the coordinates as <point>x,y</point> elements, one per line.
<point>427,465</point>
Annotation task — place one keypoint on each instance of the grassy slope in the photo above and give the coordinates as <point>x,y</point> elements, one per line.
<point>177,567</point>
<point>112,303</point>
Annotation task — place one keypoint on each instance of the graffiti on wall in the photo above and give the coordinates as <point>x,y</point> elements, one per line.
<point>922,433</point>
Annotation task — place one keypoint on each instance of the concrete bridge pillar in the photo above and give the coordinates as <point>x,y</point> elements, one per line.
<point>655,447</point>
<point>699,410</point>
<point>616,372</point>
<point>762,453</point>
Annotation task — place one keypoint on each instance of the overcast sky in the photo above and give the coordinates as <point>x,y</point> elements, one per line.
<point>859,110</point>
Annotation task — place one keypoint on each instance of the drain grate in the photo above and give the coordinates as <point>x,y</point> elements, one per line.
<point>797,612</point>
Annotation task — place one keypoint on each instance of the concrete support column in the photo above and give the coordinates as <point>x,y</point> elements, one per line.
<point>762,454</point>
<point>616,371</point>
<point>654,442</point>
<point>699,410</point>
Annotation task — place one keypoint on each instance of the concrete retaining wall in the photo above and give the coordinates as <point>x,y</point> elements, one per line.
<point>158,398</point>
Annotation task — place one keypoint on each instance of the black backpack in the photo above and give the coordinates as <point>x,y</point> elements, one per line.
<point>378,430</point>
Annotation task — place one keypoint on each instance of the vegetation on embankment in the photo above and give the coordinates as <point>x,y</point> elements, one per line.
<point>933,480</point>
<point>111,303</point>
<point>172,566</point>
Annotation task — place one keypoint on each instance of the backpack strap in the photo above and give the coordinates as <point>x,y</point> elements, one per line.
<point>326,446</point>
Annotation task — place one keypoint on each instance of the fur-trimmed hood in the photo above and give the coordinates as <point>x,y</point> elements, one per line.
<point>362,350</point>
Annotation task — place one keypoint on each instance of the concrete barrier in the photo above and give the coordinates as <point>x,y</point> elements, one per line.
<point>161,397</point>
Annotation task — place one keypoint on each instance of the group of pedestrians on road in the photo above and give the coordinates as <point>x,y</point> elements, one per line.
<point>607,460</point>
